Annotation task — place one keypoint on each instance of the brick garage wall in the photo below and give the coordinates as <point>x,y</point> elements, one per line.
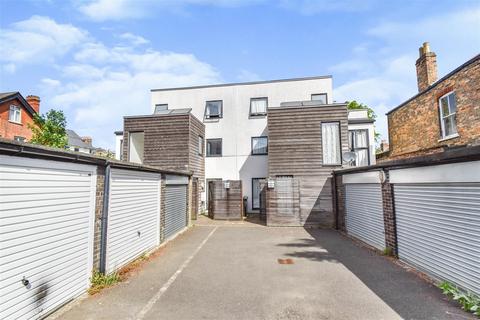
<point>163,187</point>
<point>340,203</point>
<point>98,216</point>
<point>389,219</point>
<point>9,129</point>
<point>414,128</point>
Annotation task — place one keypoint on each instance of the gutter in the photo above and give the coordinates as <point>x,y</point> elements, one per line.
<point>104,220</point>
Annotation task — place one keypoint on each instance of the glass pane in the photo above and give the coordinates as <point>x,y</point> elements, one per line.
<point>159,108</point>
<point>360,139</point>
<point>214,147</point>
<point>260,145</point>
<point>258,106</point>
<point>361,157</point>
<point>450,125</point>
<point>331,143</point>
<point>213,108</point>
<point>350,140</point>
<point>256,193</point>
<point>322,97</point>
<point>452,103</point>
<point>444,106</point>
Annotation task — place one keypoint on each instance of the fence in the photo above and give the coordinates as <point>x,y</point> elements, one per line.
<point>424,210</point>
<point>65,214</point>
<point>225,200</point>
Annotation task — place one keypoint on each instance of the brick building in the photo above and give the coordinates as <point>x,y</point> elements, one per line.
<point>16,114</point>
<point>444,114</point>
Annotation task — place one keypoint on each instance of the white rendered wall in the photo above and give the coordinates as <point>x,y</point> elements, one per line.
<point>118,146</point>
<point>236,128</point>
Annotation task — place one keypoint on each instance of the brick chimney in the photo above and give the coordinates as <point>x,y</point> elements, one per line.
<point>34,102</point>
<point>87,140</point>
<point>426,67</point>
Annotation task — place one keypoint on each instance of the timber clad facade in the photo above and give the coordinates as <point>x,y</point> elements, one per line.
<point>225,204</point>
<point>296,152</point>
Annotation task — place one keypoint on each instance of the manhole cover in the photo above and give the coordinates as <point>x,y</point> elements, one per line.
<point>285,261</point>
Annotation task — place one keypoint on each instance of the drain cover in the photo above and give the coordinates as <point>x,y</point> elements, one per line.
<point>285,261</point>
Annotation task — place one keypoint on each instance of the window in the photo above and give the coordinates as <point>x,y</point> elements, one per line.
<point>358,143</point>
<point>135,147</point>
<point>14,114</point>
<point>214,147</point>
<point>76,149</point>
<point>19,139</point>
<point>331,143</point>
<point>159,108</point>
<point>259,145</point>
<point>448,115</point>
<point>258,106</point>
<point>320,97</point>
<point>256,190</point>
<point>213,109</point>
<point>200,145</point>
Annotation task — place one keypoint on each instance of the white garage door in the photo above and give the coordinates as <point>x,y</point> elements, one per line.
<point>364,213</point>
<point>133,216</point>
<point>46,234</point>
<point>438,230</point>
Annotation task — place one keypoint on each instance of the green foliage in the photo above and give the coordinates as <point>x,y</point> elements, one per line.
<point>100,281</point>
<point>49,129</point>
<point>388,252</point>
<point>352,105</point>
<point>468,301</point>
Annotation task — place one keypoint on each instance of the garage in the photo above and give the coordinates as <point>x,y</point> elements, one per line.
<point>133,216</point>
<point>46,228</point>
<point>364,208</point>
<point>438,223</point>
<point>175,205</point>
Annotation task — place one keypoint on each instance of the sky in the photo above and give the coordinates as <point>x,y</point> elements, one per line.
<point>98,59</point>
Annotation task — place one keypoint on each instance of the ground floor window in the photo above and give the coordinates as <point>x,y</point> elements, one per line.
<point>256,192</point>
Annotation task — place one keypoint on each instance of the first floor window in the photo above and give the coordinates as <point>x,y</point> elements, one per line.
<point>214,147</point>
<point>448,115</point>
<point>320,97</point>
<point>331,143</point>
<point>358,143</point>
<point>159,108</point>
<point>258,106</point>
<point>256,191</point>
<point>14,114</point>
<point>18,138</point>
<point>213,109</point>
<point>259,145</point>
<point>200,145</point>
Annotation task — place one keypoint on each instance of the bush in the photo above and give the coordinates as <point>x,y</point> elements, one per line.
<point>468,301</point>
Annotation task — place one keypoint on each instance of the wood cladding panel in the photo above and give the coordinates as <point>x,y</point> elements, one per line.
<point>225,204</point>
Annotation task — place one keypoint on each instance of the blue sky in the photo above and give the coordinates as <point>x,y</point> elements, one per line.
<point>98,59</point>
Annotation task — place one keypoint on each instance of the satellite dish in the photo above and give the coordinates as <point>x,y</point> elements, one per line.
<point>349,156</point>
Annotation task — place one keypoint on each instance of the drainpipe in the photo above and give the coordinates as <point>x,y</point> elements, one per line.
<point>104,220</point>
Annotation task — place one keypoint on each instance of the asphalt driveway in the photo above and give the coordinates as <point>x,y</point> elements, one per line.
<point>232,271</point>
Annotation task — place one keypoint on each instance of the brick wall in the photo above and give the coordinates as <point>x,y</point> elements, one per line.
<point>414,128</point>
<point>10,129</point>
<point>340,204</point>
<point>98,216</point>
<point>389,215</point>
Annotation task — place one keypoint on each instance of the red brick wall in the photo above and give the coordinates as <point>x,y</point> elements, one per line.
<point>9,129</point>
<point>414,129</point>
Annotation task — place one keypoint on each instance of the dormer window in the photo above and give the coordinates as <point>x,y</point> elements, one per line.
<point>14,115</point>
<point>320,97</point>
<point>161,108</point>
<point>258,106</point>
<point>213,109</point>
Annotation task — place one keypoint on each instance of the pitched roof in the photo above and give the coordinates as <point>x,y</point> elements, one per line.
<point>7,96</point>
<point>74,140</point>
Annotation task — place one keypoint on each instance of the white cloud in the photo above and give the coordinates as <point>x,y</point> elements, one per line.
<point>38,39</point>
<point>383,76</point>
<point>51,82</point>
<point>133,39</point>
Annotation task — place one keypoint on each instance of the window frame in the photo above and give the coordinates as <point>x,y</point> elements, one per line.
<point>15,109</point>
<point>252,150</point>
<point>339,144</point>
<point>220,116</point>
<point>354,148</point>
<point>206,148</point>
<point>443,117</point>
<point>19,138</point>
<point>319,94</point>
<point>160,104</point>
<point>201,145</point>
<point>258,114</point>
<point>259,200</point>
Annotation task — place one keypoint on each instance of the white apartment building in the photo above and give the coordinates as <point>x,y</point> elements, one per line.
<point>235,118</point>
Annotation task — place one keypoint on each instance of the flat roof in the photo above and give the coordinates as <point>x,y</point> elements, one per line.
<point>307,103</point>
<point>243,83</point>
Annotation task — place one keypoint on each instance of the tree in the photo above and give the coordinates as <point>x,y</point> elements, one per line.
<point>352,105</point>
<point>49,129</point>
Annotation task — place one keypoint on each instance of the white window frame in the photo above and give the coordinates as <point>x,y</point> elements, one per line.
<point>443,117</point>
<point>259,113</point>
<point>162,105</point>
<point>339,144</point>
<point>200,145</point>
<point>353,148</point>
<point>319,94</point>
<point>15,111</point>
<point>214,116</point>
<point>255,152</point>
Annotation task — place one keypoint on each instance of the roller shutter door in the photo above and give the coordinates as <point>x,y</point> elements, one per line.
<point>364,213</point>
<point>46,234</point>
<point>133,216</point>
<point>438,230</point>
<point>175,209</point>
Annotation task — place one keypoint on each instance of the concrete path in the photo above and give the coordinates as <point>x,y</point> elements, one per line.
<point>231,271</point>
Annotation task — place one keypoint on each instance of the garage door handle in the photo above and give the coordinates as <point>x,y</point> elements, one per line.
<point>25,282</point>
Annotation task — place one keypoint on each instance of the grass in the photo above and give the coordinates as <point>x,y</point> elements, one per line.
<point>468,301</point>
<point>100,281</point>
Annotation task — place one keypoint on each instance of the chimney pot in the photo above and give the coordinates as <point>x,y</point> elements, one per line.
<point>87,140</point>
<point>34,102</point>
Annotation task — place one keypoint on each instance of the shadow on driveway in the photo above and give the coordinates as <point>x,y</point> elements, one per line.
<point>406,293</point>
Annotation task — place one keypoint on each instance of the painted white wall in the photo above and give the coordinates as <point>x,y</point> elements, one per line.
<point>136,145</point>
<point>444,173</point>
<point>118,146</point>
<point>236,128</point>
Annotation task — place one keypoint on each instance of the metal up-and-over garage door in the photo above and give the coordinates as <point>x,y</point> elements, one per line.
<point>175,205</point>
<point>46,233</point>
<point>133,216</point>
<point>438,221</point>
<point>364,207</point>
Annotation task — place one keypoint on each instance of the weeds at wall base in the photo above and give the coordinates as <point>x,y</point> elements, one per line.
<point>468,301</point>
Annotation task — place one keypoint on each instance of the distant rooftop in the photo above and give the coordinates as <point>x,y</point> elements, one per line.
<point>74,140</point>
